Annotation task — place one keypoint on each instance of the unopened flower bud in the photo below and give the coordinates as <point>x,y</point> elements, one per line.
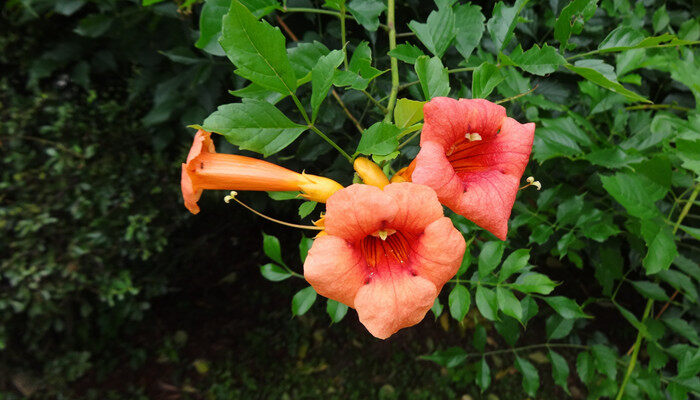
<point>317,188</point>
<point>370,172</point>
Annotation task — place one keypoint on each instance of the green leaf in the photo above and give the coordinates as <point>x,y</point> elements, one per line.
<point>689,152</point>
<point>683,328</point>
<point>304,56</point>
<point>304,245</point>
<point>334,4</point>
<point>380,138</point>
<point>94,25</point>
<point>609,268</point>
<point>306,208</point>
<point>490,257</point>
<point>212,13</point>
<point>408,112</point>
<point>322,79</point>
<point>558,327</point>
<point>538,61</point>
<point>650,290</point>
<point>254,125</point>
<point>585,367</point>
<point>484,79</point>
<point>469,27</point>
<point>274,272</point>
<point>406,52</point>
<point>516,261</point>
<point>688,266</point>
<point>438,31</point>
<point>503,21</point>
<point>486,303</point>
<point>599,73</point>
<point>604,360</point>
<point>560,370</point>
<point>633,192</point>
<point>531,379</point>
<point>459,302</point>
<point>680,282</point>
<point>483,375</point>
<point>303,300</point>
<point>336,310</point>
<point>261,8</point>
<point>480,337</point>
<point>627,38</point>
<point>660,20</point>
<point>257,50</point>
<point>661,246</point>
<point>572,18</point>
<point>534,283</point>
<point>565,307</point>
<point>271,247</point>
<point>437,308</point>
<point>433,77</point>
<point>367,12</point>
<point>258,92</point>
<point>351,79</point>
<point>530,308</point>
<point>448,358</point>
<point>361,62</point>
<point>508,303</point>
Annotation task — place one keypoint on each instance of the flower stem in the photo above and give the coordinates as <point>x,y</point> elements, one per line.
<point>390,22</point>
<point>342,36</point>
<point>318,131</point>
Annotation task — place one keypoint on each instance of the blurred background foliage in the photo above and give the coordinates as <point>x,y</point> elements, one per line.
<point>109,289</point>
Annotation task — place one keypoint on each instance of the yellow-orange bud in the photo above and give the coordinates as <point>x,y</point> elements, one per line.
<point>317,188</point>
<point>370,172</point>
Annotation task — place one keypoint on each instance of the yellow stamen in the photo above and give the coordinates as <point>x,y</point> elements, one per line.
<point>232,196</point>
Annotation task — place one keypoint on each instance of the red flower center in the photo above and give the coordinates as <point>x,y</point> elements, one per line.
<point>387,256</point>
<point>463,156</point>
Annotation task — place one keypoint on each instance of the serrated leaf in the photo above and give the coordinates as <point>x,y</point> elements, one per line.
<point>560,370</point>
<point>660,19</point>
<point>306,208</point>
<point>661,246</point>
<point>94,25</point>
<point>503,21</point>
<point>408,112</point>
<point>459,302</point>
<point>361,62</point>
<point>212,13</point>
<point>486,303</point>
<point>257,50</point>
<point>489,257</point>
<point>437,32</point>
<point>322,78</point>
<point>604,360</point>
<point>304,56</point>
<point>534,283</point>
<point>303,300</point>
<point>571,19</point>
<point>469,28</point>
<point>260,8</point>
<point>633,193</point>
<point>274,272</point>
<point>367,12</point>
<point>565,307</point>
<point>380,138</point>
<point>272,249</point>
<point>336,310</point>
<point>599,73</point>
<point>585,367</point>
<point>515,261</point>
<point>484,79</point>
<point>683,328</point>
<point>538,61</point>
<point>334,4</point>
<point>433,77</point>
<point>508,303</point>
<point>254,125</point>
<point>351,79</point>
<point>531,379</point>
<point>406,52</point>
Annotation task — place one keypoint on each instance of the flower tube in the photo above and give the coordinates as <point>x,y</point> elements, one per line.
<point>473,156</point>
<point>387,253</point>
<point>207,169</point>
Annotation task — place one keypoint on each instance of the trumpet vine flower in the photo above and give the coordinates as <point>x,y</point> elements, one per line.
<point>473,156</point>
<point>207,169</point>
<point>385,252</point>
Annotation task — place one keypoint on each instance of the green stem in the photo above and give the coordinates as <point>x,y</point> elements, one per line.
<point>390,22</point>
<point>465,69</point>
<point>407,141</point>
<point>374,101</point>
<point>590,53</point>
<point>687,207</point>
<point>331,142</point>
<point>530,347</point>
<point>315,11</point>
<point>342,36</point>
<point>635,352</point>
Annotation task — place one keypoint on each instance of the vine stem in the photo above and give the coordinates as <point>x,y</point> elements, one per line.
<point>391,23</point>
<point>590,53</point>
<point>342,36</point>
<point>313,127</point>
<point>635,352</point>
<point>530,347</point>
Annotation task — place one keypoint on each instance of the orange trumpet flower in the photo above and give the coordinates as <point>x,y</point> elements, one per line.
<point>207,169</point>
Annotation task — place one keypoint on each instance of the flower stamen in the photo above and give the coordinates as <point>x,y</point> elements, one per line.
<point>232,196</point>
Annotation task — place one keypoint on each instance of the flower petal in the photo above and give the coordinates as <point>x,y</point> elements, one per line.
<point>440,251</point>
<point>389,304</point>
<point>334,269</point>
<point>357,211</point>
<point>434,170</point>
<point>448,120</point>
<point>418,206</point>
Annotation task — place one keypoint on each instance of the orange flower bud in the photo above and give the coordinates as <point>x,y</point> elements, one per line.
<point>317,188</point>
<point>370,172</point>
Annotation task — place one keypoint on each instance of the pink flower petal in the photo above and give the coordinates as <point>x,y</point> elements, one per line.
<point>418,206</point>
<point>440,250</point>
<point>448,120</point>
<point>357,211</point>
<point>335,269</point>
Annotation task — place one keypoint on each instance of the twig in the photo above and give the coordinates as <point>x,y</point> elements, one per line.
<point>390,22</point>
<point>347,112</point>
<point>517,96</point>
